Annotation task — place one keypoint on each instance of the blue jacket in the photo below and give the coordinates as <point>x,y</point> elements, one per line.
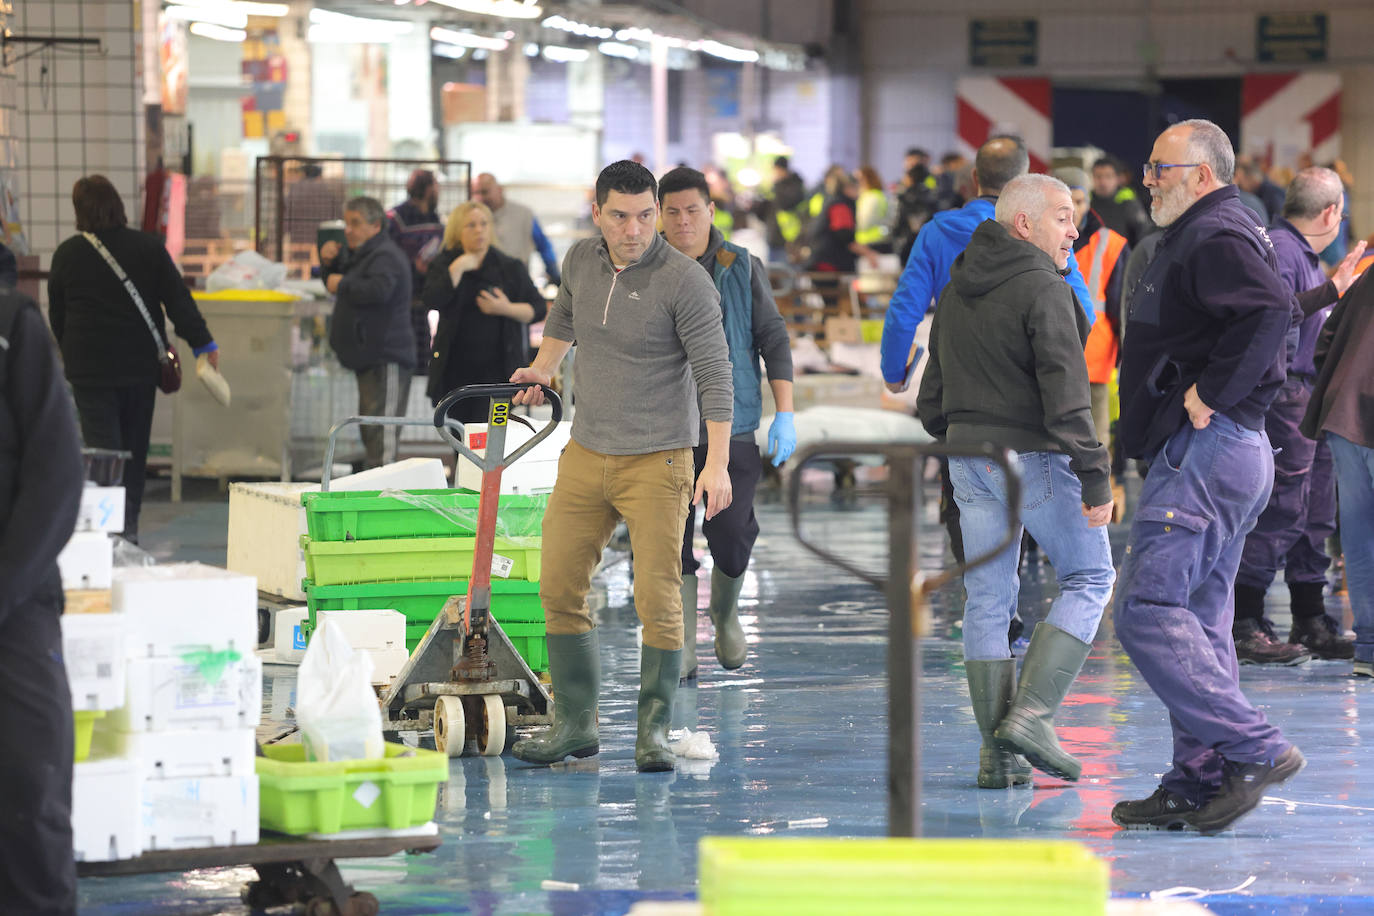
<point>938,243</point>
<point>1300,268</point>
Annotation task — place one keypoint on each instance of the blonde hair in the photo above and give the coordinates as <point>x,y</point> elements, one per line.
<point>458,217</point>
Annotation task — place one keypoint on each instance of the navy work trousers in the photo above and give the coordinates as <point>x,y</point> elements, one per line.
<point>1204,491</point>
<point>730,535</point>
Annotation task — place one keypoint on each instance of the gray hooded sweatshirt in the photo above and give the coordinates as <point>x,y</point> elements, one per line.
<point>644,335</point>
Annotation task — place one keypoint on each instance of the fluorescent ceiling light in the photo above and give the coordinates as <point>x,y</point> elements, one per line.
<point>509,9</point>
<point>561,55</point>
<point>727,52</point>
<point>468,39</point>
<point>616,49</point>
<point>337,28</point>
<point>217,32</point>
<point>452,52</point>
<point>577,28</point>
<point>214,15</point>
<point>238,7</point>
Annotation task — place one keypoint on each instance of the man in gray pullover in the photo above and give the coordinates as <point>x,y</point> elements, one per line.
<point>646,319</point>
<point>1006,366</point>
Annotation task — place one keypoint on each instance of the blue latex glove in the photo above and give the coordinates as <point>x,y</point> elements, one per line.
<point>782,437</point>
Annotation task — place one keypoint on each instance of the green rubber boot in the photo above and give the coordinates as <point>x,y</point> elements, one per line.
<point>724,610</point>
<point>658,674</point>
<point>689,628</point>
<point>575,670</point>
<point>1048,670</point>
<point>990,688</point>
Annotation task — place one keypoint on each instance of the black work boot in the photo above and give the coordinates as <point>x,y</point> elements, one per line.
<point>1242,789</point>
<point>990,688</point>
<point>658,677</point>
<point>575,672</point>
<point>1313,628</point>
<point>1161,811</point>
<point>1256,644</point>
<point>1052,661</point>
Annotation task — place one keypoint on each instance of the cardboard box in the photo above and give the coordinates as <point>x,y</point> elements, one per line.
<point>843,330</point>
<point>87,601</point>
<point>93,654</point>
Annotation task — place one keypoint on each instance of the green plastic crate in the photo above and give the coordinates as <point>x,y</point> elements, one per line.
<point>299,796</point>
<point>768,876</point>
<point>411,559</point>
<point>513,602</point>
<point>368,515</point>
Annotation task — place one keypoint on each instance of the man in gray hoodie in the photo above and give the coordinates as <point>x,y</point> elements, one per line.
<point>646,320</point>
<point>1006,366</point>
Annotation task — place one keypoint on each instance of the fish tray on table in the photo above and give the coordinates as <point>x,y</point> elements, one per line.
<point>300,796</point>
<point>412,559</point>
<point>370,515</point>
<point>514,604</point>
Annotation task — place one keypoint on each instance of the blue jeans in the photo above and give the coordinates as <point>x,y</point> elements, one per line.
<point>1052,511</point>
<point>1204,491</point>
<point>1355,484</point>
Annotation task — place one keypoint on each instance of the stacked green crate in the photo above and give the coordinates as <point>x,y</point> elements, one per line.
<point>412,550</point>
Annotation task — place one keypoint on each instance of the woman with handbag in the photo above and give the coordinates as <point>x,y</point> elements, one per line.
<point>486,301</point>
<point>108,290</point>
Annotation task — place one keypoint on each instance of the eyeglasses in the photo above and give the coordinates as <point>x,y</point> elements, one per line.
<point>1156,169</point>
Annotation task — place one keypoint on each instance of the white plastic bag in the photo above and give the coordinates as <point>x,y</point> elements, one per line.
<point>246,270</point>
<point>337,710</point>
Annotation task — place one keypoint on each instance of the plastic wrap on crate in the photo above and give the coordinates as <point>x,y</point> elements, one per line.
<point>196,813</point>
<point>106,810</point>
<point>87,562</point>
<point>395,513</point>
<point>93,654</point>
<point>416,559</point>
<point>186,607</point>
<point>198,690</point>
<point>102,509</point>
<point>181,754</point>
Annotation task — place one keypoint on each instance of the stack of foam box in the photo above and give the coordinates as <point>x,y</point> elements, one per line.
<point>87,562</point>
<point>379,633</point>
<point>192,703</point>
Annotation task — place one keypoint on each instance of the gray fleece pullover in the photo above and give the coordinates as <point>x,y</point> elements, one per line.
<point>643,336</point>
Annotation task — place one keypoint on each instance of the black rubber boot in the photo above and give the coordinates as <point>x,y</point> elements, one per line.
<point>731,648</point>
<point>658,676</point>
<point>1052,661</point>
<point>575,672</point>
<point>689,628</point>
<point>1313,628</point>
<point>990,688</point>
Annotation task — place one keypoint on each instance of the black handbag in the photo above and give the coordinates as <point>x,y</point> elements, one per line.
<point>169,381</point>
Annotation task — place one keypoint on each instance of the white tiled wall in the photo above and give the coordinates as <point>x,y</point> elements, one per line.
<point>77,112</point>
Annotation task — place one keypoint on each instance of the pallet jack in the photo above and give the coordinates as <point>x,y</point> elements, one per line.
<point>465,679</point>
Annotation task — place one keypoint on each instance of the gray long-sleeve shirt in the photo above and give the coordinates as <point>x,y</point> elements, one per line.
<point>643,335</point>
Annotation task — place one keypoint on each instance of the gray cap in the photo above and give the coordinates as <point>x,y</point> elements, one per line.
<point>1073,177</point>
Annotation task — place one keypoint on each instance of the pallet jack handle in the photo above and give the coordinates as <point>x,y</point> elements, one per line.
<point>501,390</point>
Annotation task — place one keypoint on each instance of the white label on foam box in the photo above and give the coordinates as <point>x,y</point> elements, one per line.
<point>102,509</point>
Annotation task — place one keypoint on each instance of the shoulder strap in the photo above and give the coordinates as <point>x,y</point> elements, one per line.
<point>133,293</point>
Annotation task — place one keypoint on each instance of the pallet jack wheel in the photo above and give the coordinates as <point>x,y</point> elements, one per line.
<point>491,736</point>
<point>360,904</point>
<point>450,726</point>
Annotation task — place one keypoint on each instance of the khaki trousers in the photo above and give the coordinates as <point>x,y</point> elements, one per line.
<point>651,493</point>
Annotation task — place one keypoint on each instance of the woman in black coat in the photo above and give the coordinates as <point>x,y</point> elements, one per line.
<point>108,352</point>
<point>485,300</point>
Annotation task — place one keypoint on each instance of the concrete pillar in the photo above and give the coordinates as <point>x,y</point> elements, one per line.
<point>658,75</point>
<point>1357,144</point>
<point>508,72</point>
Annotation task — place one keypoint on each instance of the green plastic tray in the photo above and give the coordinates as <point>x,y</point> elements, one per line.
<point>298,796</point>
<point>748,876</point>
<point>368,515</point>
<point>411,559</point>
<point>514,603</point>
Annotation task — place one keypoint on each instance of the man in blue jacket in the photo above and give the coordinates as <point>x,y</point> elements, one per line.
<point>939,242</point>
<point>1204,357</point>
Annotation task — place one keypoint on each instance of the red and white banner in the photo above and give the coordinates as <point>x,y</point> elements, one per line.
<point>988,106</point>
<point>1286,115</point>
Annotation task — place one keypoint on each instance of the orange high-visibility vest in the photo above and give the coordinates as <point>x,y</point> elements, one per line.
<point>1097,260</point>
<point>1365,263</point>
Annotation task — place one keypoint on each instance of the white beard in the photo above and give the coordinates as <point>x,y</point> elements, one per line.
<point>1170,205</point>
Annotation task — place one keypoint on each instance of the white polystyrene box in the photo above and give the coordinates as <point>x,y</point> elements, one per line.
<point>165,694</point>
<point>288,641</point>
<point>102,509</point>
<point>196,813</point>
<point>93,654</point>
<point>407,474</point>
<point>106,810</point>
<point>182,754</point>
<point>266,521</point>
<point>186,607</point>
<point>87,561</point>
<point>387,664</point>
<point>534,472</point>
<point>371,629</point>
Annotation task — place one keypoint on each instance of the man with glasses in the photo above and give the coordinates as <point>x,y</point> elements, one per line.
<point>1203,358</point>
<point>1292,530</point>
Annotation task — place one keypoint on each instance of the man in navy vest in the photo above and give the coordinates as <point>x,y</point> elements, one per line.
<point>1204,357</point>
<point>753,328</point>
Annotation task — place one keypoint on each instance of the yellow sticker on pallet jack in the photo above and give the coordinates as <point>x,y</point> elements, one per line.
<point>499,411</point>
